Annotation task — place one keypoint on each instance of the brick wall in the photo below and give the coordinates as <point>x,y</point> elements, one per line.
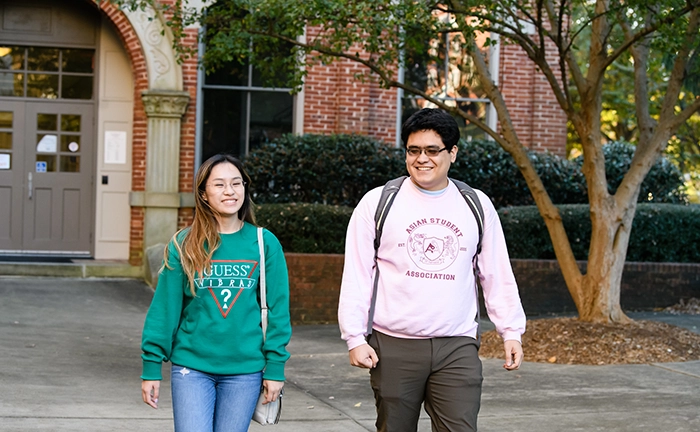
<point>188,129</point>
<point>336,102</point>
<point>537,117</point>
<point>314,281</point>
<point>315,285</point>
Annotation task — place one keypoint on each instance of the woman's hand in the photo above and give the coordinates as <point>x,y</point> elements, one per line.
<point>150,391</point>
<point>272,390</point>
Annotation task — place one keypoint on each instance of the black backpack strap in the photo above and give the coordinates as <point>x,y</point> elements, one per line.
<point>391,188</point>
<point>475,206</point>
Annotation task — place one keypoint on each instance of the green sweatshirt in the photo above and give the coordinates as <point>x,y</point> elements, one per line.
<point>219,330</point>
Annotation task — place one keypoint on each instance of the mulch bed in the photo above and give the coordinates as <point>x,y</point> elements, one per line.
<point>570,341</point>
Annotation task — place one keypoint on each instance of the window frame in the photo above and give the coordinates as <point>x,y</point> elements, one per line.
<point>297,101</point>
<point>491,117</point>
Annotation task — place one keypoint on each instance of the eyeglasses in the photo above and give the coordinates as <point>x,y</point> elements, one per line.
<point>429,151</point>
<point>221,186</point>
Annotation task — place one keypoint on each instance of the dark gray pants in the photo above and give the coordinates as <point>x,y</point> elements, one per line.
<point>444,373</point>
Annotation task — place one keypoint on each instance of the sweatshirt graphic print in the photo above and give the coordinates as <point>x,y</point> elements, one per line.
<point>433,246</point>
<point>226,280</point>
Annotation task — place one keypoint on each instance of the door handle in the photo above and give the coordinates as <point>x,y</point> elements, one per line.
<point>31,185</point>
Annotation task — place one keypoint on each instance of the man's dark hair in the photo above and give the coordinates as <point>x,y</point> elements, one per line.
<point>435,120</point>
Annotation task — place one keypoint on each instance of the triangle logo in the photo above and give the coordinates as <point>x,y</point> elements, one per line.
<point>224,300</point>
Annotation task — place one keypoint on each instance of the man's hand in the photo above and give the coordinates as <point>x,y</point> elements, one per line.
<point>514,354</point>
<point>363,356</point>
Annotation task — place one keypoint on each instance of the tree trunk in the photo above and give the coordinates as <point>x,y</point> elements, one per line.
<point>599,299</point>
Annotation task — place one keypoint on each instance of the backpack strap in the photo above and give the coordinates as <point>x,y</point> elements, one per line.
<point>475,206</point>
<point>391,188</point>
<point>389,193</point>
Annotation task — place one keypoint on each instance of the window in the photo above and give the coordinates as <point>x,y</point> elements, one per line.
<point>46,73</point>
<point>444,71</point>
<point>239,113</point>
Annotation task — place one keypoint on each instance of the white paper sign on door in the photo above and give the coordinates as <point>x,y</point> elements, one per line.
<point>47,144</point>
<point>115,147</point>
<point>4,161</point>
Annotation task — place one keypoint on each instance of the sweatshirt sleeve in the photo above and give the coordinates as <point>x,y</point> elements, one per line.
<point>497,280</point>
<point>279,329</point>
<point>358,272</point>
<point>163,316</point>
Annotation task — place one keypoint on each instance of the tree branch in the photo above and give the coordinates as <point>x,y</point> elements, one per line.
<point>648,150</point>
<point>649,29</point>
<point>640,54</point>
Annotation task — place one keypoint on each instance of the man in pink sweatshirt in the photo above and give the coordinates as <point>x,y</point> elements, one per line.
<point>423,348</point>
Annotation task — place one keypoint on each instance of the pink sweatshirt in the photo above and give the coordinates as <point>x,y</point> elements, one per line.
<point>426,285</point>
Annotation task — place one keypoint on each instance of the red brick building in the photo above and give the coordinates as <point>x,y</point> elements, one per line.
<point>101,129</point>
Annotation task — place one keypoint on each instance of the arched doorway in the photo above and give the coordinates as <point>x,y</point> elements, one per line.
<point>47,136</point>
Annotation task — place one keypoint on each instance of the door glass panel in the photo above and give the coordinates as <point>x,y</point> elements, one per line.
<point>48,160</point>
<point>6,119</point>
<point>70,123</point>
<point>42,59</point>
<point>42,86</point>
<point>70,164</point>
<point>46,143</point>
<point>76,87</point>
<point>11,84</point>
<point>6,140</point>
<point>70,143</point>
<point>47,122</point>
<point>78,60</point>
<point>5,161</point>
<point>11,57</point>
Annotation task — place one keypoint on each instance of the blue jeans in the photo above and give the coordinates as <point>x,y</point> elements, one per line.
<point>205,402</point>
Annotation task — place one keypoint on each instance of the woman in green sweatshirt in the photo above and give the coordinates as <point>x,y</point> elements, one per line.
<point>205,314</point>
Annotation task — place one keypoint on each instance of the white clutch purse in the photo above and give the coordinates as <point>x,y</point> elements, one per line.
<point>267,414</point>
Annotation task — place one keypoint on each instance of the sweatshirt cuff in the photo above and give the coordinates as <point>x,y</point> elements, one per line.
<point>355,342</point>
<point>274,371</point>
<point>511,335</point>
<point>152,371</point>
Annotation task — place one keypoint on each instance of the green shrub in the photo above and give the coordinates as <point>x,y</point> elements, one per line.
<point>663,184</point>
<point>340,169</point>
<point>527,236</point>
<point>665,233</point>
<point>306,228</point>
<point>660,232</point>
<point>484,165</point>
<point>327,169</point>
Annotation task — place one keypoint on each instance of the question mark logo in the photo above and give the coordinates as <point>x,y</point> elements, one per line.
<point>227,295</point>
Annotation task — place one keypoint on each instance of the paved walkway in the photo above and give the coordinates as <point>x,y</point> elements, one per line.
<point>69,350</point>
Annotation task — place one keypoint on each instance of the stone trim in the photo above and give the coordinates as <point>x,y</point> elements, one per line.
<point>165,104</point>
<point>161,199</point>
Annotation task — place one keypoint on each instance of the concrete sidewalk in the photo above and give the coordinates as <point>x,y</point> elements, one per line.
<point>69,350</point>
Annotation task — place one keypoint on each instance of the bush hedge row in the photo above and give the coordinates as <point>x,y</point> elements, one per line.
<point>660,232</point>
<point>339,169</point>
<point>324,169</point>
